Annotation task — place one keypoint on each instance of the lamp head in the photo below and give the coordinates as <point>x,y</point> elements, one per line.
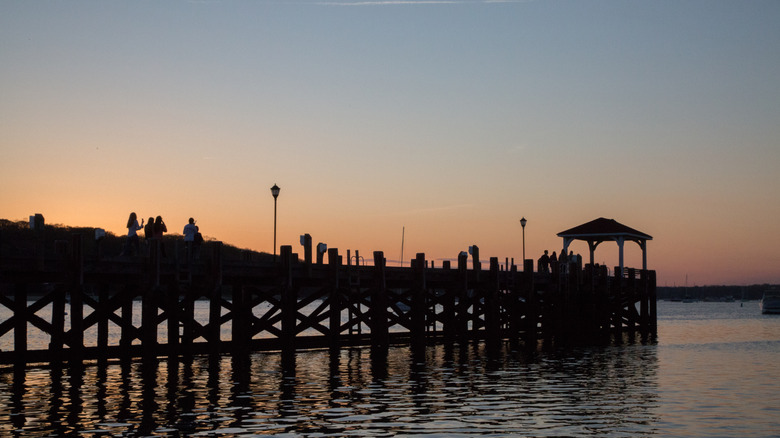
<point>522,222</point>
<point>275,191</point>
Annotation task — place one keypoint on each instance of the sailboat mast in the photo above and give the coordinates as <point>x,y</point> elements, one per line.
<point>403,232</point>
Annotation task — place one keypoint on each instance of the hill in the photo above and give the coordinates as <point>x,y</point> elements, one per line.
<point>18,238</point>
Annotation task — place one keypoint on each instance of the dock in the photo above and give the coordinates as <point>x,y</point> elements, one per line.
<point>97,308</point>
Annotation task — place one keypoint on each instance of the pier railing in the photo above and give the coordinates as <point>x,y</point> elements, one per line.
<point>153,306</point>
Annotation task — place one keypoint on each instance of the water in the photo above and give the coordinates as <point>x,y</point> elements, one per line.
<point>715,371</point>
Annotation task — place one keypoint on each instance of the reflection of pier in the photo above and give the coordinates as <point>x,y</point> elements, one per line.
<point>295,304</point>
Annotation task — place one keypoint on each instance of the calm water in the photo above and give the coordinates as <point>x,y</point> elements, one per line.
<point>715,371</point>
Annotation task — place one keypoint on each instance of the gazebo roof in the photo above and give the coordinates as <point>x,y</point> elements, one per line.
<point>603,229</point>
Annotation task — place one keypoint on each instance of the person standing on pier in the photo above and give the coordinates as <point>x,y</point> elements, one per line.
<point>563,259</point>
<point>190,230</point>
<point>132,244</point>
<point>544,263</point>
<point>149,234</point>
<point>159,229</point>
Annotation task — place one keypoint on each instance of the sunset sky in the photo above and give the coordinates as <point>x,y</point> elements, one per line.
<point>450,120</point>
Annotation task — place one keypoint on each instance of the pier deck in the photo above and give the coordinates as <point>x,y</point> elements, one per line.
<point>145,306</point>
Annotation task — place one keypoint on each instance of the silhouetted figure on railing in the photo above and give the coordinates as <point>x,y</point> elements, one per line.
<point>544,263</point>
<point>159,229</point>
<point>564,260</point>
<point>192,239</point>
<point>132,244</point>
<point>149,234</point>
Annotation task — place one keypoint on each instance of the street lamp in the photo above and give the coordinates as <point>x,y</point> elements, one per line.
<point>522,224</point>
<point>275,193</point>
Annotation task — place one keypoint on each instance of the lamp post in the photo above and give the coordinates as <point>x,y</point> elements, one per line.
<point>275,193</point>
<point>522,224</point>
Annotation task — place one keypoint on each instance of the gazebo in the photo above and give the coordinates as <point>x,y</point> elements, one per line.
<point>601,230</point>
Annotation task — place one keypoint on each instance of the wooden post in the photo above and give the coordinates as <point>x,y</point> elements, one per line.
<point>644,303</point>
<point>616,296</point>
<point>149,321</point>
<point>631,296</point>
<point>514,309</point>
<point>289,309</point>
<point>102,325</point>
<point>154,261</point>
<point>149,302</point>
<point>551,318</point>
<point>652,297</point>
<point>492,308</point>
<point>215,299</point>
<point>57,323</point>
<point>128,330</point>
<point>242,319</point>
<point>334,264</point>
<point>177,262</point>
<point>174,318</point>
<point>462,308</point>
<point>602,301</point>
<point>347,301</point>
<point>531,304</point>
<point>448,303</point>
<point>476,264</point>
<point>237,300</point>
<point>380,338</point>
<point>20,325</point>
<point>573,321</point>
<point>40,248</point>
<point>307,256</point>
<point>76,299</point>
<point>418,305</point>
<point>188,320</point>
<point>477,307</point>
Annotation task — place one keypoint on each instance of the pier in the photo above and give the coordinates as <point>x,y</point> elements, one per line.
<point>94,308</point>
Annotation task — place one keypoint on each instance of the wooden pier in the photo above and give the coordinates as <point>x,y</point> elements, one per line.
<point>145,306</point>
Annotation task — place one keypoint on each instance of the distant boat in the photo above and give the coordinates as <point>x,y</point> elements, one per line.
<point>687,298</point>
<point>770,302</point>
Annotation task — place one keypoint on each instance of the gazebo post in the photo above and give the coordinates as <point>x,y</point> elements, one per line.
<point>566,242</point>
<point>592,247</point>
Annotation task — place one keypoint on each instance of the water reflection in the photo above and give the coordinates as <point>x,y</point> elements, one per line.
<point>452,391</point>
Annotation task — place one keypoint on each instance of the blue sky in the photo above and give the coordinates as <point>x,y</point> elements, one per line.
<point>451,119</point>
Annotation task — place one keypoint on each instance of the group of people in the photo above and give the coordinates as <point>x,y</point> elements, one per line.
<point>154,229</point>
<point>546,261</point>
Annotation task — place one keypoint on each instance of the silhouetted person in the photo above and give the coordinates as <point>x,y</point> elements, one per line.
<point>159,229</point>
<point>563,259</point>
<point>544,262</point>
<point>149,233</point>
<point>132,243</point>
<point>190,230</point>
